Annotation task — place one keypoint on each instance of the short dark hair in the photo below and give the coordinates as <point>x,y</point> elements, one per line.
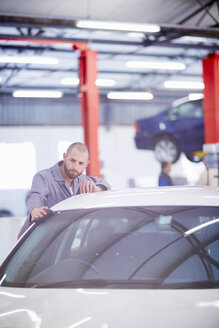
<point>80,146</point>
<point>164,164</point>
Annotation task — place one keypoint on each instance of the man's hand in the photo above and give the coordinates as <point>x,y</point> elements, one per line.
<point>38,212</point>
<point>89,186</point>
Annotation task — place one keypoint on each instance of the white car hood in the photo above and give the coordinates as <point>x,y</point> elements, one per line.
<point>92,308</point>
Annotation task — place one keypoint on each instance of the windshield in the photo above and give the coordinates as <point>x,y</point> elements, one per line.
<point>133,247</point>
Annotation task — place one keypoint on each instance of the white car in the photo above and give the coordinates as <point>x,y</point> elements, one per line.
<point>144,257</point>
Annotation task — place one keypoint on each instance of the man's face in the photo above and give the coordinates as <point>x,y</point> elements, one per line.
<point>168,168</point>
<point>75,162</point>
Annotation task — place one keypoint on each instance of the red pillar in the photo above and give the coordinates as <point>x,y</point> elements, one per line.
<point>211,98</point>
<point>89,94</point>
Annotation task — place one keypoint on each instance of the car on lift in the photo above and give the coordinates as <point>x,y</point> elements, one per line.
<point>177,129</point>
<point>140,257</point>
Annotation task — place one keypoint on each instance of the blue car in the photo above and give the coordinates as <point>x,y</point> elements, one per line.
<point>172,131</point>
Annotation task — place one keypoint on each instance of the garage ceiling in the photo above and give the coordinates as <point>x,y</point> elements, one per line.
<point>189,31</point>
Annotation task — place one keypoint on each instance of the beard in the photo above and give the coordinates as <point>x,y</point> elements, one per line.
<point>71,174</point>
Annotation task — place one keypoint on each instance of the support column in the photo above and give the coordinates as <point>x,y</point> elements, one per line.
<point>89,94</point>
<point>211,98</point>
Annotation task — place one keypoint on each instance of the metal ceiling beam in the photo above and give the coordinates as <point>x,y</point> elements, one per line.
<point>206,11</point>
<point>33,21</point>
<point>49,48</point>
<point>50,40</point>
<point>167,43</point>
<point>143,43</point>
<point>206,32</point>
<point>151,73</point>
<point>45,22</point>
<point>197,11</point>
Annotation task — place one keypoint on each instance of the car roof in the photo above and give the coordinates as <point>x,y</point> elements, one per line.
<point>185,100</point>
<point>148,196</point>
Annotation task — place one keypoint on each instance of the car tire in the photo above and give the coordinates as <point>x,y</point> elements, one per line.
<point>166,149</point>
<point>192,158</point>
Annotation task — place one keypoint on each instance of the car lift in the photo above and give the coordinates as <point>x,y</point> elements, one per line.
<point>89,97</point>
<point>89,94</point>
<point>211,105</point>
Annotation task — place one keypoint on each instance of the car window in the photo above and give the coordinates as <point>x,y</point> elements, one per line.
<point>172,111</point>
<point>188,109</point>
<point>142,247</point>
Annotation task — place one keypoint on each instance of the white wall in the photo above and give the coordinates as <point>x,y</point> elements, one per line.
<point>9,229</point>
<point>122,161</point>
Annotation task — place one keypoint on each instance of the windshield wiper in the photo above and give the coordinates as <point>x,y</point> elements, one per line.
<point>71,284</point>
<point>122,284</point>
<point>201,284</point>
<point>99,283</point>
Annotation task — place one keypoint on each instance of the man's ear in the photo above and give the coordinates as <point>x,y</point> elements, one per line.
<point>86,165</point>
<point>64,155</point>
<point>88,162</point>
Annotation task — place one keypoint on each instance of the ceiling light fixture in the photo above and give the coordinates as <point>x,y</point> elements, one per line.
<point>130,95</point>
<point>117,26</point>
<point>135,35</point>
<point>183,85</point>
<point>29,60</point>
<point>37,94</point>
<point>99,82</point>
<point>70,81</point>
<point>156,65</point>
<point>189,38</point>
<point>105,82</point>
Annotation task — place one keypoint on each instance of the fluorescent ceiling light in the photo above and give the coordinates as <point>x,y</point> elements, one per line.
<point>130,95</point>
<point>37,94</point>
<point>195,96</point>
<point>135,35</point>
<point>105,82</point>
<point>70,81</point>
<point>183,85</point>
<point>99,82</point>
<point>29,60</point>
<point>118,26</point>
<point>156,65</point>
<point>189,38</point>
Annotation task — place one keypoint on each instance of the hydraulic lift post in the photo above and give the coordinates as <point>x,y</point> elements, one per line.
<point>89,98</point>
<point>211,106</point>
<point>211,98</point>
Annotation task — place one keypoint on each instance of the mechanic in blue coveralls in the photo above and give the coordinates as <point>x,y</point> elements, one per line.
<point>63,180</point>
<point>164,177</point>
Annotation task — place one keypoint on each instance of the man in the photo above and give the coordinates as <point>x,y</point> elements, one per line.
<point>164,178</point>
<point>209,176</point>
<point>63,180</point>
